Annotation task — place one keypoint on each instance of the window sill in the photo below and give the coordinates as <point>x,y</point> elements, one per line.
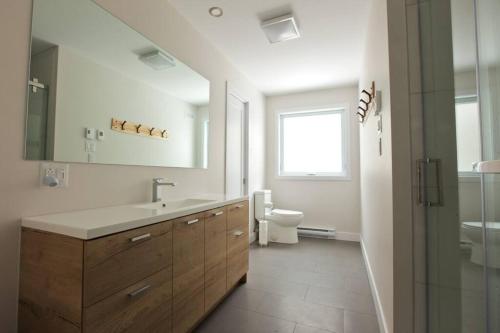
<point>314,178</point>
<point>469,177</point>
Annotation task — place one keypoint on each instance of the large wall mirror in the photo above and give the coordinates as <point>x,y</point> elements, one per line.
<point>100,92</point>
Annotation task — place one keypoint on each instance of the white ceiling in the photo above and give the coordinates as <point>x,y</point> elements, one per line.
<point>329,53</point>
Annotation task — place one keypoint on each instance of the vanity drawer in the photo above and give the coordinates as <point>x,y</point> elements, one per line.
<point>237,215</point>
<point>143,307</point>
<point>115,262</point>
<point>100,249</point>
<point>237,254</point>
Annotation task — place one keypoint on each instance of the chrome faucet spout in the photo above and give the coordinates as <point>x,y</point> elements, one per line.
<point>157,183</point>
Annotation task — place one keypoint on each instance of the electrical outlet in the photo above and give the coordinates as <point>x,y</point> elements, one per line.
<point>57,170</point>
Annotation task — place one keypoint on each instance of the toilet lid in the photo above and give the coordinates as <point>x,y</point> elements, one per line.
<point>286,213</point>
<point>489,225</point>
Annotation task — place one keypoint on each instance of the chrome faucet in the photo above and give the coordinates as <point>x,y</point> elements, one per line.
<point>157,182</point>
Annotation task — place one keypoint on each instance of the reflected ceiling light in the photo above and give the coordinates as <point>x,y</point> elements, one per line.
<point>157,60</point>
<point>281,28</point>
<point>216,11</point>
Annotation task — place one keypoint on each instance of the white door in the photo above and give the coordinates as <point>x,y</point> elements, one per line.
<point>236,160</point>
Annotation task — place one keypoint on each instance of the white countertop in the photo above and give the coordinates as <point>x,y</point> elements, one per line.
<point>93,223</point>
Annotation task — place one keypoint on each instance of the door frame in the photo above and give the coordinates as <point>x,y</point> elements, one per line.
<point>231,90</point>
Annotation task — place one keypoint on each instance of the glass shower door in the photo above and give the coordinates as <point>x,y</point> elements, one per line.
<point>488,56</point>
<point>459,93</point>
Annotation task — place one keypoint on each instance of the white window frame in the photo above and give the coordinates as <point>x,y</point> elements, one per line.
<point>345,175</point>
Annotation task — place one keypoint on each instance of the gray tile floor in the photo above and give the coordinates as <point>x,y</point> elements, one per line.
<point>316,286</point>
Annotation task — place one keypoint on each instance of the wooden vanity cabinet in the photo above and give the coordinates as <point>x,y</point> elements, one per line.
<point>188,287</point>
<point>215,256</point>
<point>237,243</point>
<point>165,277</point>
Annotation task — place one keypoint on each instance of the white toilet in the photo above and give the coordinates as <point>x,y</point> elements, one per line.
<point>474,231</point>
<point>282,224</point>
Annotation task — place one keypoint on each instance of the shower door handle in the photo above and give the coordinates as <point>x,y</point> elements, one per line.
<point>425,186</point>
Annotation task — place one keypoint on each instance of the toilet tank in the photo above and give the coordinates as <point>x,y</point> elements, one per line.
<point>262,197</point>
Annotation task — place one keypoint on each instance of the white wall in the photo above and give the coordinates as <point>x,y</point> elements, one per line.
<point>104,185</point>
<point>128,99</point>
<point>376,171</point>
<point>327,203</point>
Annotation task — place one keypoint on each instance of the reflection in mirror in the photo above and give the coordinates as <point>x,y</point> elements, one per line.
<point>88,68</point>
<point>468,124</point>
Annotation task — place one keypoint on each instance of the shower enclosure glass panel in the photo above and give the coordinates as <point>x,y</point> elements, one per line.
<point>460,72</point>
<point>488,43</point>
<point>491,190</point>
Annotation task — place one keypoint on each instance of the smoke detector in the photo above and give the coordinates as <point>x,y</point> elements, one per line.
<point>157,60</point>
<point>281,28</point>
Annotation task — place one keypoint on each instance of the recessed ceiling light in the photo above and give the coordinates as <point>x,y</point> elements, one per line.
<point>281,28</point>
<point>216,11</point>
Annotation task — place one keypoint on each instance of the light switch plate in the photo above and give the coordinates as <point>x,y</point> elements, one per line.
<point>90,133</point>
<point>58,170</point>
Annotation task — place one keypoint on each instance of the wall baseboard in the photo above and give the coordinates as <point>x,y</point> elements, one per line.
<point>376,298</point>
<point>347,236</point>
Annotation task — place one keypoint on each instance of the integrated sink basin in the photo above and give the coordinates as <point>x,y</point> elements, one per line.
<point>173,205</point>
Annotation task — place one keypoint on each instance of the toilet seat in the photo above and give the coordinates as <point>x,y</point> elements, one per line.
<point>285,217</point>
<point>491,226</point>
<point>287,213</point>
<point>288,218</point>
<point>474,232</point>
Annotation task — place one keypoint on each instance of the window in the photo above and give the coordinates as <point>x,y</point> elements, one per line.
<point>468,133</point>
<point>313,144</point>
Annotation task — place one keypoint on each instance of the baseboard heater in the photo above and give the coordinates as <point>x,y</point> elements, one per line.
<point>316,232</point>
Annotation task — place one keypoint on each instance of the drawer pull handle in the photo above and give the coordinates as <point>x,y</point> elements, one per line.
<point>218,213</point>
<point>239,233</point>
<point>240,206</point>
<point>193,221</point>
<point>139,291</point>
<point>138,238</point>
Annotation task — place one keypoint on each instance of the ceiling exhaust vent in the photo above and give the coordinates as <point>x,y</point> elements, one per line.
<point>281,28</point>
<point>157,60</point>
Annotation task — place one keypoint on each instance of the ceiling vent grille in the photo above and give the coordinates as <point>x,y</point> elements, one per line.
<point>281,28</point>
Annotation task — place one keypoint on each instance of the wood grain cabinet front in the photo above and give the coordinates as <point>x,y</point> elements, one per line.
<point>145,306</point>
<point>237,243</point>
<point>115,262</point>
<point>215,257</point>
<point>165,277</point>
<point>188,277</point>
